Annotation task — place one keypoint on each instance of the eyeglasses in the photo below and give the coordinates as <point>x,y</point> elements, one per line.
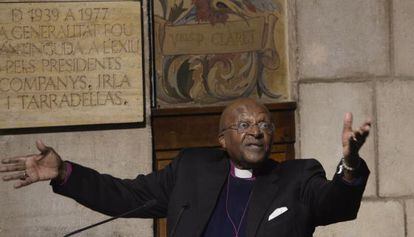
<point>243,127</point>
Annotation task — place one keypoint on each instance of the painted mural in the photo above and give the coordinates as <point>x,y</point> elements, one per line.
<point>209,51</point>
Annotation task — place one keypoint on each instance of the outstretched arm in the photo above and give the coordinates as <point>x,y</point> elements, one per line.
<point>100,192</point>
<point>339,199</point>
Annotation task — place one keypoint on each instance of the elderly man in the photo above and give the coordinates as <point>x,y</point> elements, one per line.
<point>233,191</point>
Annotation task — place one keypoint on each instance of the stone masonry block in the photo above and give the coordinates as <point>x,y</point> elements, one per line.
<point>395,137</point>
<point>403,37</point>
<point>379,219</point>
<point>322,107</point>
<point>342,38</point>
<point>410,217</point>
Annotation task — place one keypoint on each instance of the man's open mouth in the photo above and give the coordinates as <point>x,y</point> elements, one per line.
<point>254,145</point>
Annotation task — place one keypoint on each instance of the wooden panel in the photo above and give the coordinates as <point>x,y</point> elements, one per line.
<point>162,163</point>
<point>285,126</point>
<point>166,155</point>
<point>290,151</point>
<point>161,227</point>
<point>178,132</point>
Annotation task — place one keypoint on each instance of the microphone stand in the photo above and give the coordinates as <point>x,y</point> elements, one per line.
<point>148,204</point>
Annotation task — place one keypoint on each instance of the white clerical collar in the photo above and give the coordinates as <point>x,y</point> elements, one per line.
<point>241,173</point>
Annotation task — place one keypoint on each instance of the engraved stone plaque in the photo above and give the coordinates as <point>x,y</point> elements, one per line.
<point>70,63</point>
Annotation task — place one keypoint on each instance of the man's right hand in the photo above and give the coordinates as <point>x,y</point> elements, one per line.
<point>33,168</point>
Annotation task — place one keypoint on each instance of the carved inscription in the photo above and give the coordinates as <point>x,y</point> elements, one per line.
<point>70,63</point>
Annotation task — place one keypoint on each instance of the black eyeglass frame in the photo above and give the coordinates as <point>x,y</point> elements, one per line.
<point>242,129</point>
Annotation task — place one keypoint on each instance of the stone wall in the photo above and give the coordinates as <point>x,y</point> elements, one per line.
<point>357,56</point>
<point>36,211</point>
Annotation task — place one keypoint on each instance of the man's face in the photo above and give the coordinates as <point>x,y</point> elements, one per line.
<point>248,148</point>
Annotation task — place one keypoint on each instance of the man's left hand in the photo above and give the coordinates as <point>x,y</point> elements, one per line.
<point>352,141</point>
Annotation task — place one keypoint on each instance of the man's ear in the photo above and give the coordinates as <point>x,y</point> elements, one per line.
<point>222,141</point>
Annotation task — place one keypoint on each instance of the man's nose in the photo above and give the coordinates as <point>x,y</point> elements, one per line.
<point>255,131</point>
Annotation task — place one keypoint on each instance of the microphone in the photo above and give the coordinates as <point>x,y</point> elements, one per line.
<point>147,204</point>
<point>183,208</point>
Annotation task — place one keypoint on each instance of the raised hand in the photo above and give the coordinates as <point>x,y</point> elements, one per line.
<point>352,140</point>
<point>33,168</point>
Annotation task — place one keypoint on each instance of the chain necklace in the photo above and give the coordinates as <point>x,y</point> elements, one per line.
<point>235,229</point>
